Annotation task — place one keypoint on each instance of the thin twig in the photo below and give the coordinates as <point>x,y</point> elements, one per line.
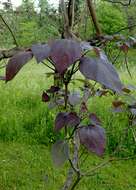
<point>99,166</point>
<point>10,30</point>
<point>124,28</point>
<point>119,2</point>
<point>48,66</point>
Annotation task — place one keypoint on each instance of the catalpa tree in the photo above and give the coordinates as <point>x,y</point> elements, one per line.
<point>66,57</point>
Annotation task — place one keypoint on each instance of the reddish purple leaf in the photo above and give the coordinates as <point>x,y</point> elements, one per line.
<point>66,119</point>
<point>94,119</point>
<point>102,72</point>
<point>16,63</point>
<point>53,89</point>
<point>64,53</point>
<point>45,97</point>
<point>93,138</point>
<point>41,51</point>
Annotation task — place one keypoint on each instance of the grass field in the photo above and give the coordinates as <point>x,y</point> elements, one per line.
<point>26,134</point>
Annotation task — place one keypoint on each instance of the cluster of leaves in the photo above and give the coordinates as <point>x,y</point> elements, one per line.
<point>61,54</point>
<point>65,57</point>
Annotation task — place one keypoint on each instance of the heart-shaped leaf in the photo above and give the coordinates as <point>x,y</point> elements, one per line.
<point>60,153</point>
<point>40,51</point>
<point>93,138</point>
<point>102,72</point>
<point>64,53</point>
<point>66,119</point>
<point>16,63</point>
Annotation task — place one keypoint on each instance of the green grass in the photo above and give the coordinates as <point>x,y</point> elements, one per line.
<point>29,167</point>
<point>26,131</point>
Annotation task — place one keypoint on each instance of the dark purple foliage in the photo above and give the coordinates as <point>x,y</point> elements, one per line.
<point>93,138</point>
<point>66,119</point>
<point>102,72</point>
<point>40,51</point>
<point>16,63</point>
<point>64,53</point>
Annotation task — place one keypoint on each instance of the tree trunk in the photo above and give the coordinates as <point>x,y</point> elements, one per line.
<point>94,17</point>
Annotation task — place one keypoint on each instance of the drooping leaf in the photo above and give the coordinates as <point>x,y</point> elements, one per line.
<point>41,51</point>
<point>64,53</point>
<point>66,119</point>
<point>45,97</point>
<point>94,119</point>
<point>16,63</point>
<point>104,73</point>
<point>60,153</point>
<point>93,138</point>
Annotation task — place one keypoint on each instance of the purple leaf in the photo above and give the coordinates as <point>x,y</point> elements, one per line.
<point>53,89</point>
<point>64,53</point>
<point>94,119</point>
<point>66,119</point>
<point>93,138</point>
<point>102,72</point>
<point>41,51</point>
<point>45,97</point>
<point>60,153</point>
<point>16,63</point>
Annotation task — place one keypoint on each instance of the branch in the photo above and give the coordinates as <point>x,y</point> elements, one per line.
<point>74,167</point>
<point>119,2</point>
<point>99,166</point>
<point>11,32</point>
<point>94,17</point>
<point>125,28</point>
<point>71,11</point>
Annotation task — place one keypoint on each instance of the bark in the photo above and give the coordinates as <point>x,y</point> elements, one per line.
<point>94,17</point>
